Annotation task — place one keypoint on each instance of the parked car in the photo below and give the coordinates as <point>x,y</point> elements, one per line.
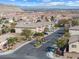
<point>60,32</point>
<point>50,49</point>
<point>38,21</point>
<point>45,33</point>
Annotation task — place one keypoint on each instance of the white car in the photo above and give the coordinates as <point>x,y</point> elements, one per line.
<point>50,54</point>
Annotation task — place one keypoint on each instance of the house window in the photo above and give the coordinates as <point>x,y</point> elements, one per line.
<point>74,46</point>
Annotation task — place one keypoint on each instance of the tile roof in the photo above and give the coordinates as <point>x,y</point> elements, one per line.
<point>74,28</point>
<point>32,25</point>
<point>74,38</point>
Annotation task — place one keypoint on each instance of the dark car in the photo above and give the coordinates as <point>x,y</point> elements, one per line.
<point>45,33</point>
<point>38,21</point>
<point>48,49</point>
<point>60,32</point>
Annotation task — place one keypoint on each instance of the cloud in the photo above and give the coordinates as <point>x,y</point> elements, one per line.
<point>63,3</point>
<point>51,4</point>
<point>55,3</point>
<point>71,3</point>
<point>47,3</point>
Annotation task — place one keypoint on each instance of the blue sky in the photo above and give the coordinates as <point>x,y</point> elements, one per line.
<point>41,2</point>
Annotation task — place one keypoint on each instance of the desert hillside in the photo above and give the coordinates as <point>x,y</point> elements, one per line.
<point>9,8</point>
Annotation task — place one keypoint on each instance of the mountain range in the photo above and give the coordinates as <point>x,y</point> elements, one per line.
<point>48,8</point>
<point>12,8</point>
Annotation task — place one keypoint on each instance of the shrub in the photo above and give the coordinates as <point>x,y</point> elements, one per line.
<point>27,33</point>
<point>11,40</point>
<point>12,30</point>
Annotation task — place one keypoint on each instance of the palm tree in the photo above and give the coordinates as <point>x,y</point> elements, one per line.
<point>5,29</point>
<point>67,34</point>
<point>52,18</point>
<point>13,25</point>
<point>39,37</point>
<point>46,29</point>
<point>11,41</point>
<point>61,45</point>
<point>46,19</point>
<point>75,22</point>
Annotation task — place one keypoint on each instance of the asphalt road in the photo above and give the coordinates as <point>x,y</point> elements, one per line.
<point>30,52</point>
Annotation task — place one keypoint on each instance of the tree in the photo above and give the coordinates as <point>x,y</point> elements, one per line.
<point>14,19</point>
<point>1,21</point>
<point>13,25</point>
<point>11,41</point>
<point>46,29</point>
<point>6,21</point>
<point>67,34</point>
<point>3,18</point>
<point>75,22</point>
<point>27,33</point>
<point>39,36</point>
<point>61,45</point>
<point>5,29</point>
<point>57,25</point>
<point>46,19</point>
<point>52,18</point>
<point>42,16</point>
<point>12,30</point>
<point>63,22</point>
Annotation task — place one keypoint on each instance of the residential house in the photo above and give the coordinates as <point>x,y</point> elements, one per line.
<point>35,27</point>
<point>74,39</point>
<point>73,44</point>
<point>71,55</point>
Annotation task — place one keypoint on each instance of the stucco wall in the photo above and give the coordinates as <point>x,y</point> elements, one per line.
<point>73,32</point>
<point>75,49</point>
<point>41,29</point>
<point>18,30</point>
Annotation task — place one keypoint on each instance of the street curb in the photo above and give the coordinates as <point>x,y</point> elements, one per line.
<point>12,51</point>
